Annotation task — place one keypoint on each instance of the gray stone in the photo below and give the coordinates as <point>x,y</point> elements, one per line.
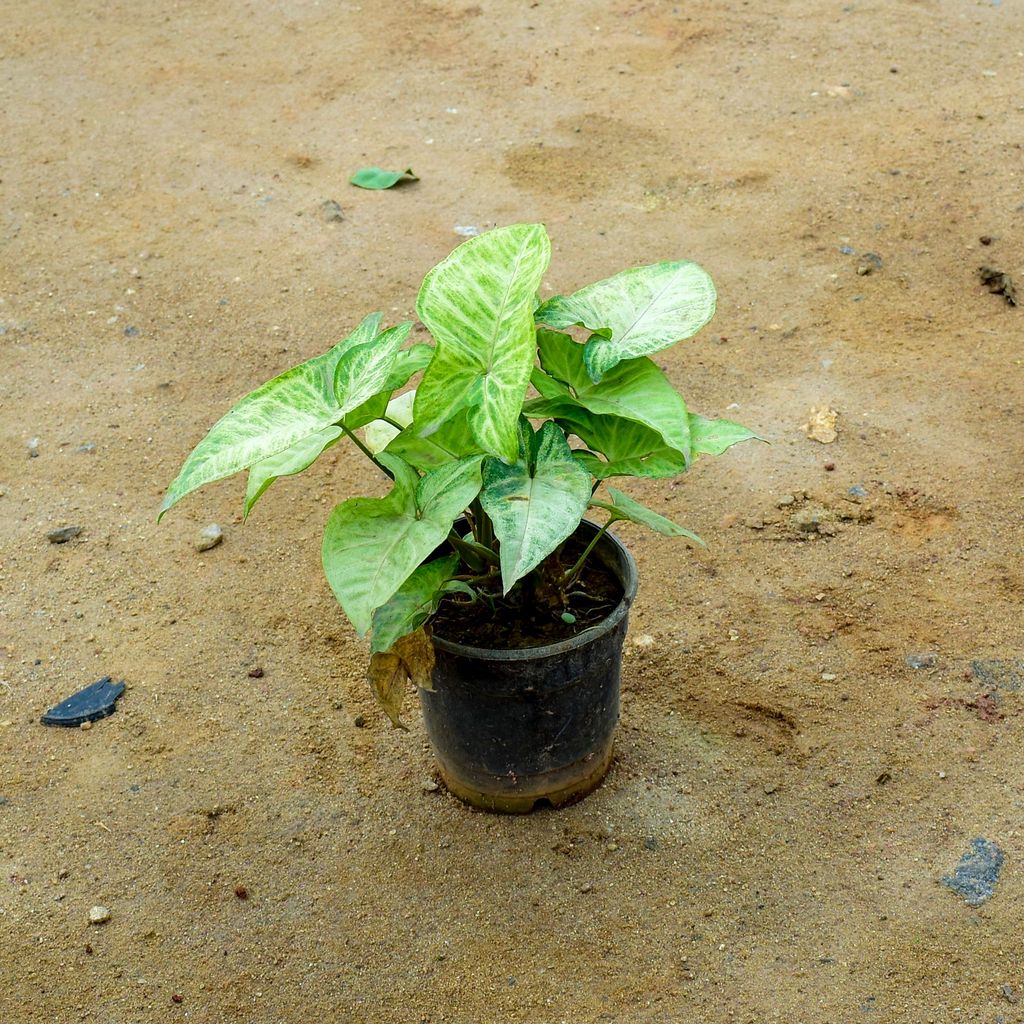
<point>209,537</point>
<point>1000,673</point>
<point>330,211</point>
<point>63,534</point>
<point>976,875</point>
<point>922,660</point>
<point>99,915</point>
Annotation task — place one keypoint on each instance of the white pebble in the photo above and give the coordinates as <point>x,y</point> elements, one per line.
<point>209,537</point>
<point>99,915</point>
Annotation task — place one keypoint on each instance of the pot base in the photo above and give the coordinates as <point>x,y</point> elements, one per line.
<point>568,786</point>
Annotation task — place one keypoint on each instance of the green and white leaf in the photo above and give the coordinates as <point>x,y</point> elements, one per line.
<point>635,390</point>
<point>629,449</point>
<point>364,371</point>
<point>478,305</point>
<point>408,363</point>
<point>372,545</point>
<point>413,603</point>
<point>622,506</point>
<point>451,441</point>
<point>536,502</point>
<point>271,419</point>
<point>379,434</point>
<point>636,312</point>
<point>713,437</point>
<point>292,460</point>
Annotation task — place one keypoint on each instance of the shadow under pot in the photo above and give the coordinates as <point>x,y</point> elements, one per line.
<point>513,729</point>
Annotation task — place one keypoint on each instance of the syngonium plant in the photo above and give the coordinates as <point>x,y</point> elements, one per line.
<point>499,452</point>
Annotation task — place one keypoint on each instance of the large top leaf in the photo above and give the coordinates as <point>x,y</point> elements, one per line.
<point>635,390</point>
<point>478,305</point>
<point>372,545</point>
<point>536,502</point>
<point>272,418</point>
<point>636,312</point>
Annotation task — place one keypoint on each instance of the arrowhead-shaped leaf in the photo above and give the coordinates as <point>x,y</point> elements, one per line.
<point>372,545</point>
<point>478,305</point>
<point>712,437</point>
<point>413,603</point>
<point>271,419</point>
<point>408,363</point>
<point>536,502</point>
<point>636,312</point>
<point>623,506</point>
<point>292,460</point>
<point>635,390</point>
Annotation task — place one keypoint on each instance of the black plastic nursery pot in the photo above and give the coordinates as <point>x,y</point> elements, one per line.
<point>514,728</point>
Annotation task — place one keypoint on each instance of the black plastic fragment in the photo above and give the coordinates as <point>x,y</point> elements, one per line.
<point>96,701</point>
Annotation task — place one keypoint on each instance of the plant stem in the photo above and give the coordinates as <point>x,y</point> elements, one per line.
<point>366,451</point>
<point>392,423</point>
<point>570,577</point>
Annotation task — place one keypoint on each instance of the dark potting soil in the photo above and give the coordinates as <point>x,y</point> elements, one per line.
<point>518,621</point>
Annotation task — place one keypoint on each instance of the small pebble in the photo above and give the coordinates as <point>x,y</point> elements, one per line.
<point>829,467</point>
<point>359,721</point>
<point>612,847</point>
<point>99,915</point>
<point>85,449</point>
<point>985,239</point>
<point>588,887</point>
<point>330,211</point>
<point>32,444</point>
<point>1008,993</point>
<point>848,250</point>
<point>430,786</point>
<point>857,491</point>
<point>977,873</point>
<point>63,535</point>
<point>131,332</point>
<point>241,892</point>
<point>785,501</point>
<point>85,726</point>
<point>467,230</point>
<point>828,677</point>
<point>256,673</point>
<point>177,998</point>
<point>922,660</point>
<point>209,537</point>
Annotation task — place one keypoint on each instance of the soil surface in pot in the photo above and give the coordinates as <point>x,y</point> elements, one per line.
<point>520,620</point>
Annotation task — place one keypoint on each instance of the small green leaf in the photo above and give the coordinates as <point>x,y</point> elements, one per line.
<point>292,460</point>
<point>712,437</point>
<point>635,390</point>
<point>373,545</point>
<point>536,502</point>
<point>478,305</point>
<point>624,507</point>
<point>271,419</point>
<point>636,312</point>
<point>413,603</point>
<point>376,178</point>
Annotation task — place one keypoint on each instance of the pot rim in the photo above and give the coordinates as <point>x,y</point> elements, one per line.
<point>628,579</point>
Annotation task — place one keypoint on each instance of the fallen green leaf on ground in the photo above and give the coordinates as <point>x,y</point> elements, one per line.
<point>377,178</point>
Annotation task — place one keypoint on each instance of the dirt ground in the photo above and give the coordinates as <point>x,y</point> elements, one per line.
<point>788,792</point>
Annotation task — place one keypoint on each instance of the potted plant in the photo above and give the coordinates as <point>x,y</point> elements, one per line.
<point>478,576</point>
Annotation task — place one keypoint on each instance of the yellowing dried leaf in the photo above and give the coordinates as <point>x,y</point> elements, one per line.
<point>417,653</point>
<point>821,424</point>
<point>388,679</point>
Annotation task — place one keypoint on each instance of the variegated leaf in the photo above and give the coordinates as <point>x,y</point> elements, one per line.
<point>413,603</point>
<point>622,506</point>
<point>536,502</point>
<point>292,460</point>
<point>636,312</point>
<point>478,305</point>
<point>271,419</point>
<point>635,390</point>
<point>372,545</point>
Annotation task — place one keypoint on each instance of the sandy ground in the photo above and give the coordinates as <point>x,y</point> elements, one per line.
<point>788,792</point>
